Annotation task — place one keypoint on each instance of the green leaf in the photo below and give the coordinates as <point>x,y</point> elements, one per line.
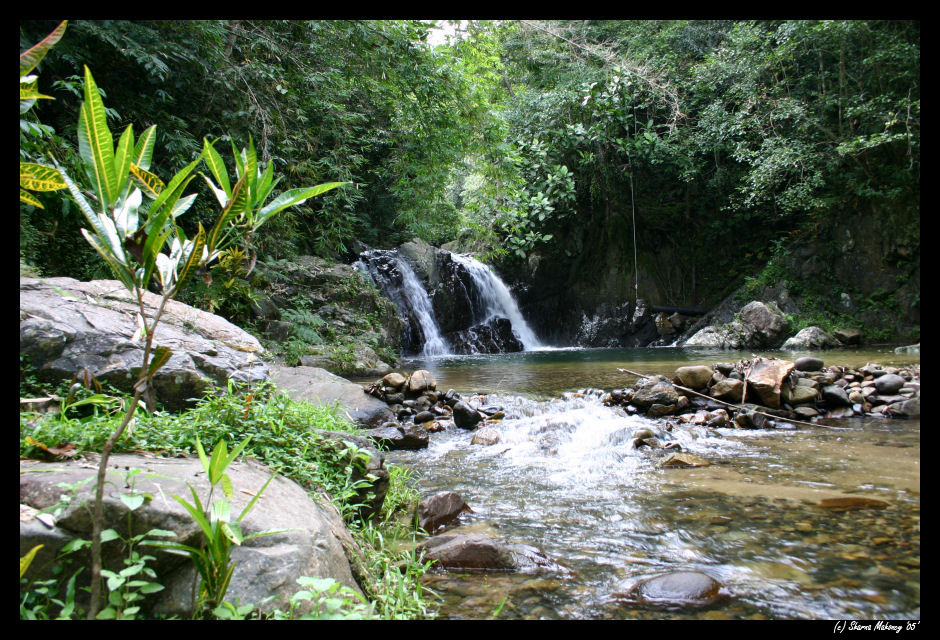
<point>149,183</point>
<point>193,260</point>
<point>108,535</point>
<point>202,455</point>
<point>133,501</point>
<point>227,486</point>
<point>95,144</point>
<point>143,150</point>
<point>28,198</point>
<point>219,462</point>
<point>119,269</point>
<point>123,156</point>
<point>175,188</point>
<point>217,167</point>
<point>30,58</point>
<point>293,197</point>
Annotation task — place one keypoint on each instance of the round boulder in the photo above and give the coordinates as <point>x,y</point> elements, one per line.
<point>421,380</point>
<point>809,363</point>
<point>465,416</point>
<point>694,377</point>
<point>684,588</point>
<point>889,384</point>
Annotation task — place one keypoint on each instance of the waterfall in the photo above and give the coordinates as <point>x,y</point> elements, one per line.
<point>468,301</point>
<point>497,299</point>
<point>398,282</point>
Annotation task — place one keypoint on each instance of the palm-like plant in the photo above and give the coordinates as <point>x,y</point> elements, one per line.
<point>131,237</point>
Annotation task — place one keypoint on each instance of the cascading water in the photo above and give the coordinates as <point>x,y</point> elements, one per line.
<point>398,282</point>
<point>498,300</point>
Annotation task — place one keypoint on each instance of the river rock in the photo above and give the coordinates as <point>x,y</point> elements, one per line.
<point>420,381</point>
<point>314,540</point>
<point>654,390</point>
<point>681,461</point>
<point>67,326</point>
<point>396,435</point>
<point>766,379</point>
<point>319,386</point>
<point>727,336</point>
<point>848,336</point>
<point>728,390</point>
<point>810,338</point>
<point>394,380</point>
<point>764,322</point>
<point>690,589</point>
<point>889,384</point>
<point>835,396</point>
<point>695,377</point>
<point>801,394</point>
<point>441,509</point>
<point>476,551</point>
<point>485,436</point>
<point>809,363</point>
<point>909,408</point>
<point>465,416</point>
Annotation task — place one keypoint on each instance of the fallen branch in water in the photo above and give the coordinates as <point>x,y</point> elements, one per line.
<point>736,407</point>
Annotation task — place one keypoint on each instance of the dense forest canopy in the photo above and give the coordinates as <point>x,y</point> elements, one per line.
<point>518,138</point>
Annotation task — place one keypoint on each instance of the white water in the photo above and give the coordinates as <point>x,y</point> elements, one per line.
<point>498,300</point>
<point>420,303</point>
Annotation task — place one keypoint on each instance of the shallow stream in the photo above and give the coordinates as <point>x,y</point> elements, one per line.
<point>565,478</point>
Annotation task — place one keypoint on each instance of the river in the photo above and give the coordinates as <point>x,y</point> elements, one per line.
<point>565,478</point>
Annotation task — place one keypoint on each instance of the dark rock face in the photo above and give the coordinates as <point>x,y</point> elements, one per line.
<point>493,336</point>
<point>386,273</point>
<point>455,298</point>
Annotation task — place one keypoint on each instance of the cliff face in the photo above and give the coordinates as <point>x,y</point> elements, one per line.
<point>858,268</point>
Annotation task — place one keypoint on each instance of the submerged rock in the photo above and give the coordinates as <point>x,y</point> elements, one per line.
<point>679,588</point>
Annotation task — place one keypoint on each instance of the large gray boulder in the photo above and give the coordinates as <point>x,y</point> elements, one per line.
<point>67,325</point>
<point>319,386</point>
<point>810,338</point>
<point>315,541</point>
<point>758,324</point>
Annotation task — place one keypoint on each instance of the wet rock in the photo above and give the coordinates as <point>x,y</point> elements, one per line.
<point>851,503</point>
<point>691,589</point>
<point>729,390</point>
<point>421,380</point>
<point>682,460</point>
<point>766,379</point>
<point>802,394</point>
<point>835,396</point>
<point>424,416</point>
<point>654,390</point>
<point>809,363</point>
<point>889,384</point>
<point>485,436</point>
<point>441,509</point>
<point>909,408</point>
<point>479,552</point>
<point>401,436</point>
<point>465,416</point>
<point>659,410</point>
<point>695,377</point>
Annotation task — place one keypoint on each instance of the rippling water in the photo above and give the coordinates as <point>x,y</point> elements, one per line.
<point>565,478</point>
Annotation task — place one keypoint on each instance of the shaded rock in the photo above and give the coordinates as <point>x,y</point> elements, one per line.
<point>848,336</point>
<point>401,436</point>
<point>764,322</point>
<point>658,410</point>
<point>695,377</point>
<point>465,416</point>
<point>314,541</point>
<point>678,588</point>
<point>810,338</point>
<point>67,325</point>
<point>495,335</point>
<point>809,363</point>
<point>889,384</point>
<point>835,396</point>
<point>322,387</point>
<point>441,509</point>
<point>729,390</point>
<point>802,394</point>
<point>478,552</point>
<point>909,408</point>
<point>424,416</point>
<point>766,379</point>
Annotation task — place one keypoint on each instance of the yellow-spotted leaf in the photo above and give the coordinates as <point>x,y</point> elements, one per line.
<point>34,55</point>
<point>149,183</point>
<point>95,144</point>
<point>27,560</point>
<point>28,198</point>
<point>39,177</point>
<point>193,260</point>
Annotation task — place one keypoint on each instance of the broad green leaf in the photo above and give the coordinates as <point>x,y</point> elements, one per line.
<point>217,167</point>
<point>39,177</point>
<point>133,502</point>
<point>30,91</point>
<point>150,183</point>
<point>232,533</point>
<point>219,461</point>
<point>30,58</point>
<point>143,150</point>
<point>123,157</point>
<point>265,184</point>
<point>176,186</point>
<point>293,197</point>
<point>28,198</point>
<point>182,205</point>
<point>90,214</point>
<point>197,514</point>
<point>95,144</point>
<point>227,215</point>
<point>108,535</point>
<point>27,560</point>
<point>125,214</point>
<point>221,511</point>
<point>227,486</point>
